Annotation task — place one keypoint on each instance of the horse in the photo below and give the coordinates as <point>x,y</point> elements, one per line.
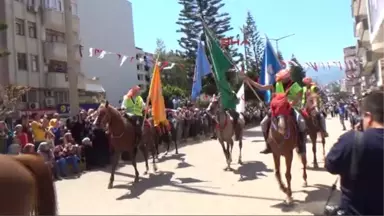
<point>26,186</point>
<point>283,138</point>
<point>312,120</point>
<point>225,130</point>
<point>161,136</point>
<point>122,134</point>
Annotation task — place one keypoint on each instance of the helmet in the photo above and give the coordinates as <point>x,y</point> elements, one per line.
<point>283,75</point>
<point>307,81</point>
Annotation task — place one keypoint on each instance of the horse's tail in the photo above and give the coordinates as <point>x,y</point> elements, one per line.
<point>46,197</point>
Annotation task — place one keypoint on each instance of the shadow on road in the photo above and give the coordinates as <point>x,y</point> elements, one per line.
<point>252,133</point>
<point>251,170</point>
<point>314,202</point>
<point>180,157</point>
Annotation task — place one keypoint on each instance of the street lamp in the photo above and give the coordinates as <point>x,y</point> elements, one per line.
<point>279,39</point>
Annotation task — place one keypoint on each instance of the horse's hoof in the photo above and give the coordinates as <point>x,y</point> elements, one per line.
<point>240,162</point>
<point>110,186</point>
<point>145,173</point>
<point>289,201</point>
<point>315,165</point>
<point>177,153</point>
<point>305,184</point>
<point>136,180</point>
<point>166,153</point>
<point>155,169</point>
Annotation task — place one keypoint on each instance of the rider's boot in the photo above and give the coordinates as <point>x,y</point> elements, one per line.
<point>267,149</point>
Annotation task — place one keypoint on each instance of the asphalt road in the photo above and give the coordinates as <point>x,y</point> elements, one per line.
<point>194,182</point>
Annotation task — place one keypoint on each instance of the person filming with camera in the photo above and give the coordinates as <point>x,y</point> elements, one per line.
<point>357,157</point>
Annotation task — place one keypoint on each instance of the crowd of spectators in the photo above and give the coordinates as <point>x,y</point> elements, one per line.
<point>69,146</point>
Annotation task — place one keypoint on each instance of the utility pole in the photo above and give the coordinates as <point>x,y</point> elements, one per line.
<point>71,70</point>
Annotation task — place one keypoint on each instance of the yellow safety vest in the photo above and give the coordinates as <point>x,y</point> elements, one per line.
<point>304,97</point>
<point>136,108</point>
<point>293,91</point>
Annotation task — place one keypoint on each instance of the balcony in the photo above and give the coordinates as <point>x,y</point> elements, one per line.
<point>60,80</point>
<point>359,7</point>
<point>55,20</point>
<point>58,51</point>
<point>361,30</point>
<point>367,61</point>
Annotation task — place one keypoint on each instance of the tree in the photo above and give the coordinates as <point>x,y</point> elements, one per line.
<point>3,27</point>
<point>9,97</point>
<point>254,50</point>
<point>192,28</point>
<point>161,49</point>
<point>280,56</point>
<point>297,71</point>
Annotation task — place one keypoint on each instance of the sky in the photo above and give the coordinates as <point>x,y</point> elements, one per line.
<point>322,28</point>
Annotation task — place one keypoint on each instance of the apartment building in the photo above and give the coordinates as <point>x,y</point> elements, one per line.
<point>352,72</point>
<point>108,25</point>
<point>36,40</point>
<point>369,31</point>
<point>144,66</point>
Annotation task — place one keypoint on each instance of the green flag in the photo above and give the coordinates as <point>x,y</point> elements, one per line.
<point>221,65</point>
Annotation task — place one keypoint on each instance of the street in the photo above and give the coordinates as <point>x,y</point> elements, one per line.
<point>194,182</point>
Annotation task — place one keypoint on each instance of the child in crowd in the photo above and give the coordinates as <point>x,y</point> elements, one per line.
<point>14,149</point>
<point>29,148</point>
<point>20,137</point>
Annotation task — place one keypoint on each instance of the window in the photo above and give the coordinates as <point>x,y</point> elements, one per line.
<point>54,36</point>
<point>20,27</point>
<point>22,61</point>
<point>35,63</point>
<point>60,5</point>
<point>62,97</point>
<point>32,96</point>
<point>138,67</point>
<point>74,9</point>
<point>32,29</point>
<point>140,77</point>
<point>57,66</point>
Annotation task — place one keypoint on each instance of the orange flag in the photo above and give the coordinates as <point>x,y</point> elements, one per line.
<point>156,97</point>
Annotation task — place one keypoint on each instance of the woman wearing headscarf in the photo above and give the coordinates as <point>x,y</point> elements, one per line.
<point>46,152</point>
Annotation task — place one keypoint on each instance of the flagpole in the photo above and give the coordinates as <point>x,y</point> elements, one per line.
<point>148,97</point>
<point>230,60</point>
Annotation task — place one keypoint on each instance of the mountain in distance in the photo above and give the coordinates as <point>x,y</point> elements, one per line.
<point>324,75</point>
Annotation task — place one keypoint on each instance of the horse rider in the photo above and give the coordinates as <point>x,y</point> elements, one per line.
<point>134,105</point>
<point>311,88</point>
<point>284,83</point>
<point>232,111</point>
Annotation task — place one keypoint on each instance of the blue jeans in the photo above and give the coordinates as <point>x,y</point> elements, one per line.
<point>62,164</point>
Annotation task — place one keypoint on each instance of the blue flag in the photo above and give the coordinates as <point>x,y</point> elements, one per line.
<point>202,68</point>
<point>270,66</point>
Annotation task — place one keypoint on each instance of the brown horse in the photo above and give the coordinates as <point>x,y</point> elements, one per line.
<point>122,137</point>
<point>312,120</point>
<point>225,130</point>
<point>283,138</point>
<point>26,186</point>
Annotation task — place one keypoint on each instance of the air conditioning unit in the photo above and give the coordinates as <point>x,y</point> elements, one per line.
<point>50,102</point>
<point>49,93</point>
<point>33,106</point>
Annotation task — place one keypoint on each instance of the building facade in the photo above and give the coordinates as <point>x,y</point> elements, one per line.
<point>108,25</point>
<point>144,66</point>
<point>352,71</point>
<point>369,31</point>
<point>35,39</point>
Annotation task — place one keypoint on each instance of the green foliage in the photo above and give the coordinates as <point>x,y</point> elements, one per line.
<point>169,91</point>
<point>3,27</point>
<point>254,50</point>
<point>192,28</point>
<point>297,72</point>
<point>280,56</point>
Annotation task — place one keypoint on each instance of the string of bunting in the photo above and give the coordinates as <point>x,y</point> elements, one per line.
<point>346,65</point>
<point>149,61</point>
<point>122,58</point>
